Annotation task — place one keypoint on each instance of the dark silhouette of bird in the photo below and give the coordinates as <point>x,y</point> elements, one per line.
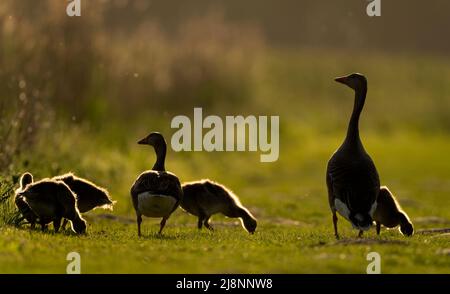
<point>156,192</point>
<point>352,178</point>
<point>49,201</point>
<point>390,214</point>
<point>205,198</point>
<point>89,195</point>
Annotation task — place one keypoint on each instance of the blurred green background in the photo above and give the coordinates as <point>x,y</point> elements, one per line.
<point>76,93</point>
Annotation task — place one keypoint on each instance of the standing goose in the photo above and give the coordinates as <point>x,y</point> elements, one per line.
<point>352,178</point>
<point>156,192</point>
<point>49,201</point>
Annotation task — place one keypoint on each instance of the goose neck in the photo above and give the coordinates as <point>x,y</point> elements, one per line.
<point>160,151</point>
<point>353,126</point>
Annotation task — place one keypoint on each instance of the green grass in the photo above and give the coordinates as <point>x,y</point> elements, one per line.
<point>113,247</point>
<point>409,144</point>
<point>294,233</point>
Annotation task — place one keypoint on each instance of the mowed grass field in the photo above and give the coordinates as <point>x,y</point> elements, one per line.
<point>404,127</point>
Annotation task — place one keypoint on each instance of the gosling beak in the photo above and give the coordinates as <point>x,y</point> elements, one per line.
<point>342,80</point>
<point>143,141</point>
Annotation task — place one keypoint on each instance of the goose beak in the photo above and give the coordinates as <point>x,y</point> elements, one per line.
<point>143,141</point>
<point>342,80</point>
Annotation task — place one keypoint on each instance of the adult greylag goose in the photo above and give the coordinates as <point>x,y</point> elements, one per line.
<point>156,192</point>
<point>205,198</point>
<point>352,178</point>
<point>390,214</point>
<point>89,195</point>
<point>50,201</point>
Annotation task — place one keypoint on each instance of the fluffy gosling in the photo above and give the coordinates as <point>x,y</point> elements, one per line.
<point>49,201</point>
<point>205,198</point>
<point>390,214</point>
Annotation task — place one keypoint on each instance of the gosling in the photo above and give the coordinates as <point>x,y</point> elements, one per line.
<point>205,198</point>
<point>89,195</point>
<point>390,214</point>
<point>49,201</point>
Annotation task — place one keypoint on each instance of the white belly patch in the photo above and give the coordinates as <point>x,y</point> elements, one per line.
<point>373,209</point>
<point>342,208</point>
<point>155,205</point>
<point>345,212</point>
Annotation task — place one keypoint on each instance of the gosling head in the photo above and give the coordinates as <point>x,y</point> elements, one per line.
<point>26,179</point>
<point>153,139</point>
<point>79,226</point>
<point>406,226</point>
<point>249,224</point>
<point>356,81</point>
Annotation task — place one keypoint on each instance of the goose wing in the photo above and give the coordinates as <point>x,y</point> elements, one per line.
<point>355,184</point>
<point>157,182</point>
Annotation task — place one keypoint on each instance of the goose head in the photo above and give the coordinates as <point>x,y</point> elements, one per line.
<point>79,226</point>
<point>356,81</point>
<point>250,225</point>
<point>153,139</point>
<point>159,144</point>
<point>406,227</point>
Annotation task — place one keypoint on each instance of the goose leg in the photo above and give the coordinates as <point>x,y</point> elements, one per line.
<point>200,222</point>
<point>201,218</point>
<point>56,224</point>
<point>21,219</point>
<point>43,227</point>
<point>360,234</point>
<point>206,223</point>
<point>378,228</point>
<point>335,220</point>
<point>63,226</point>
<point>139,221</point>
<point>162,224</point>
<point>33,225</point>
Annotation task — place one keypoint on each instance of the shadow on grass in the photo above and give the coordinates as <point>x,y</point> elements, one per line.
<point>163,236</point>
<point>111,217</point>
<point>26,227</point>
<point>361,241</point>
<point>368,241</point>
<point>429,220</point>
<point>433,231</point>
